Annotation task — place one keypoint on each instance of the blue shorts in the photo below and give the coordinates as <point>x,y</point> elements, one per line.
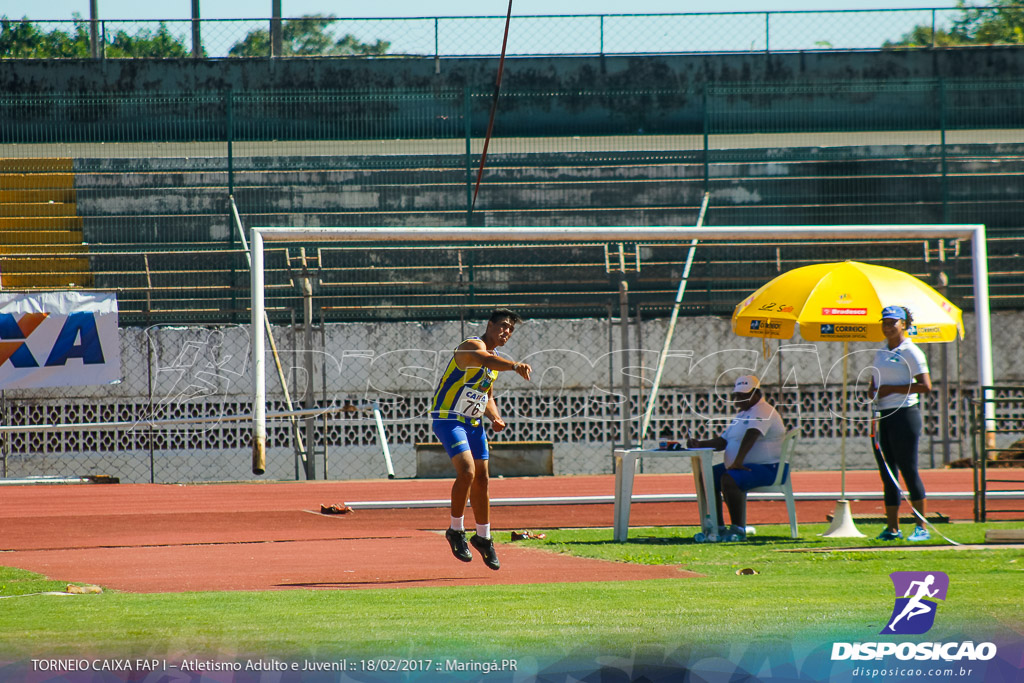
<point>759,475</point>
<point>458,437</point>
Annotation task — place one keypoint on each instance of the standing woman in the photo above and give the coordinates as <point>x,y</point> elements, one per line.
<point>899,376</point>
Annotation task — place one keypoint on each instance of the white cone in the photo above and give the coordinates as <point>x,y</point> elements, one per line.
<point>842,523</point>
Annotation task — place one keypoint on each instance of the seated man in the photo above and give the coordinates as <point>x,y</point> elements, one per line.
<point>753,445</point>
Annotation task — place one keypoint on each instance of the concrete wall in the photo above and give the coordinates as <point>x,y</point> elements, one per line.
<point>521,73</point>
<point>175,371</point>
<point>677,106</point>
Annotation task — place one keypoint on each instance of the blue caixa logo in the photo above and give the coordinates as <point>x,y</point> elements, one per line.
<point>78,338</point>
<point>916,594</point>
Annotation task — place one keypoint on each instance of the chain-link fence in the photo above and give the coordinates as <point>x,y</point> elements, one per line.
<point>587,396</point>
<point>460,36</point>
<point>150,180</point>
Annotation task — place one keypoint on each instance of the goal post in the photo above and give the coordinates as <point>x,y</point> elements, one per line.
<point>974,233</point>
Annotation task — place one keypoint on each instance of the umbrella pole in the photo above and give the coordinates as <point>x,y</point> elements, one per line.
<point>842,447</point>
<point>842,519</point>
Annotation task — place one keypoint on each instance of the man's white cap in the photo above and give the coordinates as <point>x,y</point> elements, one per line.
<point>746,384</point>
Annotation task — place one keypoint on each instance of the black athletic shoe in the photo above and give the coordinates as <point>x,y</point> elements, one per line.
<point>486,548</point>
<point>457,540</point>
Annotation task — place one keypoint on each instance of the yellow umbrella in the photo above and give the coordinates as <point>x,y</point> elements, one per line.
<point>843,301</point>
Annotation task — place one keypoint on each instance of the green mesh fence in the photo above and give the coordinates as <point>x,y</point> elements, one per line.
<point>134,193</point>
<point>459,36</point>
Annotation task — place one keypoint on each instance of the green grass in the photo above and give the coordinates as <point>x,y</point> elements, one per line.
<point>21,582</point>
<point>794,596</point>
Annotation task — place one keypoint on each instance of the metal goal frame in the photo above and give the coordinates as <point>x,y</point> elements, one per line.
<point>974,233</point>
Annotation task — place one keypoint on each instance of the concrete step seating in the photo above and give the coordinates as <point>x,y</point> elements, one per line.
<point>176,209</point>
<point>40,229</point>
<point>534,183</point>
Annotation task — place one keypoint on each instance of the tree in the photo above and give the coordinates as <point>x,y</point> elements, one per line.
<point>921,36</point>
<point>349,45</point>
<point>1001,23</point>
<point>24,40</point>
<point>306,36</point>
<point>145,43</point>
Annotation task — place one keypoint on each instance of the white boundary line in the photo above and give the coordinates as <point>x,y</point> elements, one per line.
<point>975,233</point>
<point>650,498</point>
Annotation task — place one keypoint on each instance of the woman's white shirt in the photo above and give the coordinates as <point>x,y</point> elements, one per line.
<point>898,367</point>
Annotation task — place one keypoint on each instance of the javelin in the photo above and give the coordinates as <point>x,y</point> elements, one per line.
<point>494,106</point>
<point>672,323</point>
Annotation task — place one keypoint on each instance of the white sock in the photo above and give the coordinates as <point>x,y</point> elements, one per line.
<point>483,530</point>
<point>458,524</point>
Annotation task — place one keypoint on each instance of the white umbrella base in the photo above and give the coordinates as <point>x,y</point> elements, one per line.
<point>842,523</point>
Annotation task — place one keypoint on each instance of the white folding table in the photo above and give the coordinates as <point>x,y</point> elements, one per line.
<point>625,469</point>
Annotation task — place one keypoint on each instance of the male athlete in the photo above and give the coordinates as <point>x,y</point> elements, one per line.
<point>462,398</point>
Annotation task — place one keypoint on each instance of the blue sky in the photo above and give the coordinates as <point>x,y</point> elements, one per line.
<point>236,9</point>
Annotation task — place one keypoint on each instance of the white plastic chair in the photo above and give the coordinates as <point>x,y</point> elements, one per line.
<point>784,480</point>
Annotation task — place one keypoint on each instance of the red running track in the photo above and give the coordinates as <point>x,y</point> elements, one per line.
<point>255,536</point>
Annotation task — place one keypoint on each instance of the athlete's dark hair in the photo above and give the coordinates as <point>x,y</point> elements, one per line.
<point>499,313</point>
<point>910,317</point>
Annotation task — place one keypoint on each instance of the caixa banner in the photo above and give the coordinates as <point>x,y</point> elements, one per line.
<point>54,339</point>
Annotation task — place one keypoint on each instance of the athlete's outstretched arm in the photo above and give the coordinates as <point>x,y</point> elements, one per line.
<point>473,353</point>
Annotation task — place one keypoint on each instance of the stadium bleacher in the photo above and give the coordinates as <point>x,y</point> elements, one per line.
<point>160,232</point>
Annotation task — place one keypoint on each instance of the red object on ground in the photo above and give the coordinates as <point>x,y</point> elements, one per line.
<point>335,509</point>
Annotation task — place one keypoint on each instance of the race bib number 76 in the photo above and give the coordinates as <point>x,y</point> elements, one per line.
<point>471,403</point>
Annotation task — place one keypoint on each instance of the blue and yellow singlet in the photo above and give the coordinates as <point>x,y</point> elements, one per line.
<point>462,394</point>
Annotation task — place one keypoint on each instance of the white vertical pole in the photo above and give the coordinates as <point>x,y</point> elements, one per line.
<point>382,437</point>
<point>656,384</point>
<point>979,253</point>
<point>259,403</point>
<point>672,324</point>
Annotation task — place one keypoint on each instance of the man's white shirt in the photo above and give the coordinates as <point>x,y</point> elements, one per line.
<point>768,448</point>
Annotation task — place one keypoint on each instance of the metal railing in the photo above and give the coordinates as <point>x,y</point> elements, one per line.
<point>530,35</point>
<point>998,452</point>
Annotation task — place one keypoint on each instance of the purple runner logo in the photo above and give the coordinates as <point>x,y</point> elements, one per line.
<point>913,614</point>
<point>916,593</point>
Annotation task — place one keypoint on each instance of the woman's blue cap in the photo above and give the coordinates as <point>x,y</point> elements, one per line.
<point>896,312</point>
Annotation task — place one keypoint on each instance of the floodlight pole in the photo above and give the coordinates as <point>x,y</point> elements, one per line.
<point>974,232</point>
